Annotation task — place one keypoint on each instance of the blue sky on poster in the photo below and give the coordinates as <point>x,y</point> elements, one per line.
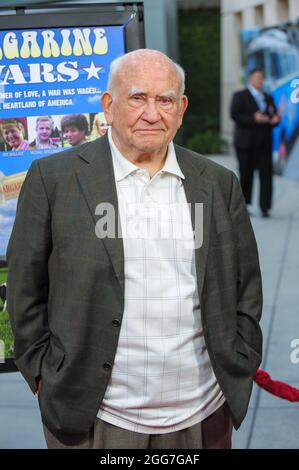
<point>7,216</point>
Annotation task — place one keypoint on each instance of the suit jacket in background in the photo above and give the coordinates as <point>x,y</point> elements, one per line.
<point>247,132</point>
<point>66,286</point>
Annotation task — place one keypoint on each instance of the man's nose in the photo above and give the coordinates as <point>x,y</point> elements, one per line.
<point>151,112</point>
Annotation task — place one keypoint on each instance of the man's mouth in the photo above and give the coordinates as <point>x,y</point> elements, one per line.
<point>149,130</point>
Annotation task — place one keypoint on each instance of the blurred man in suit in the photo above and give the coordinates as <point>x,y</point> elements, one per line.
<point>255,114</point>
<point>134,340</point>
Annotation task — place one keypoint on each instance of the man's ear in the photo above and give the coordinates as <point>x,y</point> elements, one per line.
<point>106,100</point>
<point>183,107</point>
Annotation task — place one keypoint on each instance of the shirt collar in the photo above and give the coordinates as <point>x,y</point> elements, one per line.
<point>123,167</point>
<point>254,91</point>
<point>171,164</point>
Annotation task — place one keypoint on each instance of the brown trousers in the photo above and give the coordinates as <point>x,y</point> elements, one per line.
<point>214,432</point>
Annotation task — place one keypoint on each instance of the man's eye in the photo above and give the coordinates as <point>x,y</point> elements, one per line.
<point>136,100</point>
<point>165,101</point>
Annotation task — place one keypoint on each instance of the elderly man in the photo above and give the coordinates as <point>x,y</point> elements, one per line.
<point>133,339</point>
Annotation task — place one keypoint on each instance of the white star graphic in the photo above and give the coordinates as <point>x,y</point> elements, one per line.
<point>92,71</point>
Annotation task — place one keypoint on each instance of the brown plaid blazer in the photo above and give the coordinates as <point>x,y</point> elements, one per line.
<point>66,286</point>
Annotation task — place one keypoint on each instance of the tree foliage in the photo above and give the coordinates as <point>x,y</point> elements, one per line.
<point>199,42</point>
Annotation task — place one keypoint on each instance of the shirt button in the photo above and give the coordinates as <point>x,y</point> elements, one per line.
<point>107,366</point>
<point>116,322</point>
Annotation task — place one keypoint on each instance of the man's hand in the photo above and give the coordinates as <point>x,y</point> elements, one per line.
<point>275,119</point>
<point>38,385</point>
<point>261,118</point>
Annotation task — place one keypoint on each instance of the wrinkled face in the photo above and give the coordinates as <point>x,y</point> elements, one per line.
<point>13,136</point>
<point>44,130</point>
<point>74,136</point>
<point>145,108</point>
<point>257,80</point>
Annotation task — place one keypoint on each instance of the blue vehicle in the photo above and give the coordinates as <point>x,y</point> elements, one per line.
<point>276,51</point>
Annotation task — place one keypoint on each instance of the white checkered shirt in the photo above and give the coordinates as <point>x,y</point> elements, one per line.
<point>162,380</point>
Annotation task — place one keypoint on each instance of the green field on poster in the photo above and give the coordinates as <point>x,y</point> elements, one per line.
<point>5,328</point>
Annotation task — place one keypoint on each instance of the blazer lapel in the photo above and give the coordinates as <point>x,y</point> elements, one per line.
<point>198,189</point>
<point>96,179</point>
<point>251,99</point>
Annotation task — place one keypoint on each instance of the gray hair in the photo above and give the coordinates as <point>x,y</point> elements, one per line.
<point>117,63</point>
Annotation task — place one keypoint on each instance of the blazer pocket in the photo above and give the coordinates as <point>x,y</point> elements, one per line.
<point>241,347</point>
<point>58,354</point>
<point>248,354</point>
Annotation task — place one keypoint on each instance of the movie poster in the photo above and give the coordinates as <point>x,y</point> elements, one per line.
<point>51,81</point>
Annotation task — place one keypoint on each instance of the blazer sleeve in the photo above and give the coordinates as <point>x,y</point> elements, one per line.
<point>249,283</point>
<point>28,252</point>
<point>238,111</point>
<point>271,102</point>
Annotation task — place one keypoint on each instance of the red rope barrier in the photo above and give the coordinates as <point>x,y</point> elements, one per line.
<point>277,388</point>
